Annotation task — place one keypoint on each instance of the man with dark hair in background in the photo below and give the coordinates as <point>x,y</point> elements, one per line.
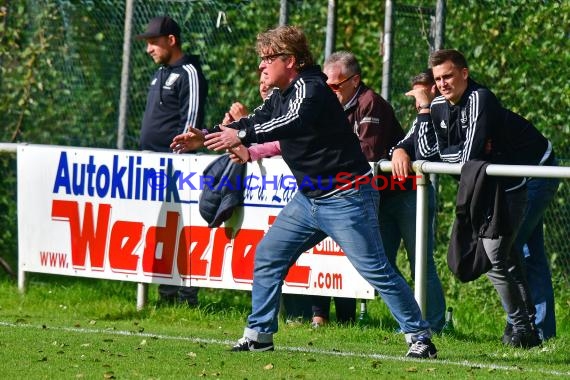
<point>176,97</point>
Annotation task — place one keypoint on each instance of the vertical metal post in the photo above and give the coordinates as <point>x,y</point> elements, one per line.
<point>331,28</point>
<point>420,280</point>
<point>142,295</point>
<point>21,280</point>
<point>387,50</point>
<point>439,24</point>
<point>283,13</point>
<point>438,44</point>
<point>142,289</point>
<point>124,96</point>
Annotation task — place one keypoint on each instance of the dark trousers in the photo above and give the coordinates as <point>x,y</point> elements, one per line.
<point>345,308</point>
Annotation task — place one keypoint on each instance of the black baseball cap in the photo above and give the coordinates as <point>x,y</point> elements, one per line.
<point>160,26</point>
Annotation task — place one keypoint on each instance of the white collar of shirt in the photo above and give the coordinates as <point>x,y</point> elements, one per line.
<point>353,100</point>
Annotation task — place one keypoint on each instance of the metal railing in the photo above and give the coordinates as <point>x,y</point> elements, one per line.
<point>427,167</point>
<point>8,147</point>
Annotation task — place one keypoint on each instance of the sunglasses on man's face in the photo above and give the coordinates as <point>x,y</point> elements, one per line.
<point>268,59</point>
<point>336,86</point>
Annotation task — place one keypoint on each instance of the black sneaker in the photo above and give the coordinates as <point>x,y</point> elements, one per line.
<point>246,344</point>
<point>525,340</point>
<point>507,334</point>
<point>423,348</point>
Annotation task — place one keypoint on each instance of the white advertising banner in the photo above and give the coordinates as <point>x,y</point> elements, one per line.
<point>133,216</point>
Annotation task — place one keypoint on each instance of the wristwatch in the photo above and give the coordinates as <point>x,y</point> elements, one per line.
<point>242,133</point>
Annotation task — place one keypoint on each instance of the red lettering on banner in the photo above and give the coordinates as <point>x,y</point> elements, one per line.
<point>166,236</point>
<point>125,238</point>
<point>243,255</point>
<point>192,245</point>
<point>298,276</point>
<point>222,239</point>
<point>328,247</point>
<point>85,236</point>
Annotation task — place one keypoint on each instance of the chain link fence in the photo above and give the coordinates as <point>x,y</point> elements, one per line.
<point>71,78</point>
<point>556,227</point>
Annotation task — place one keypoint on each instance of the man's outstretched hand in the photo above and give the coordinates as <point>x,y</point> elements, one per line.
<point>224,140</point>
<point>188,141</point>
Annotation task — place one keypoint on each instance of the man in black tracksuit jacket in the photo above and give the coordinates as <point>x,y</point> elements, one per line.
<point>325,157</point>
<point>478,127</point>
<point>467,122</point>
<point>177,91</point>
<point>176,97</point>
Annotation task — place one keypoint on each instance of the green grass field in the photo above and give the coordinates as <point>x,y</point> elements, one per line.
<point>72,328</point>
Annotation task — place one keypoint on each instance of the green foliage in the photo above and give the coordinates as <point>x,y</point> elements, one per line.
<point>232,70</point>
<point>521,50</point>
<point>364,37</point>
<point>8,210</point>
<point>44,97</point>
<point>61,61</point>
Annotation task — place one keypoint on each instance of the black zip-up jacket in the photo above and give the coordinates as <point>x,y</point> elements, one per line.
<point>479,127</point>
<point>420,142</point>
<point>176,98</point>
<point>481,212</point>
<point>316,140</point>
<point>466,131</point>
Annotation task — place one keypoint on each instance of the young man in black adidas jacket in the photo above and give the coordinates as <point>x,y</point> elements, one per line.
<point>468,122</point>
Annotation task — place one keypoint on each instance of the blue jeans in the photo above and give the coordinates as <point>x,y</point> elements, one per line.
<point>397,217</point>
<point>350,219</point>
<point>530,245</point>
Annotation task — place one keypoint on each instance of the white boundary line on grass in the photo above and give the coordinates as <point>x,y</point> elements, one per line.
<point>464,363</point>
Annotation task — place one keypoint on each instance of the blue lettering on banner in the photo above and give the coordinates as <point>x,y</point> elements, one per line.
<point>124,181</point>
<point>62,175</point>
<point>117,179</point>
